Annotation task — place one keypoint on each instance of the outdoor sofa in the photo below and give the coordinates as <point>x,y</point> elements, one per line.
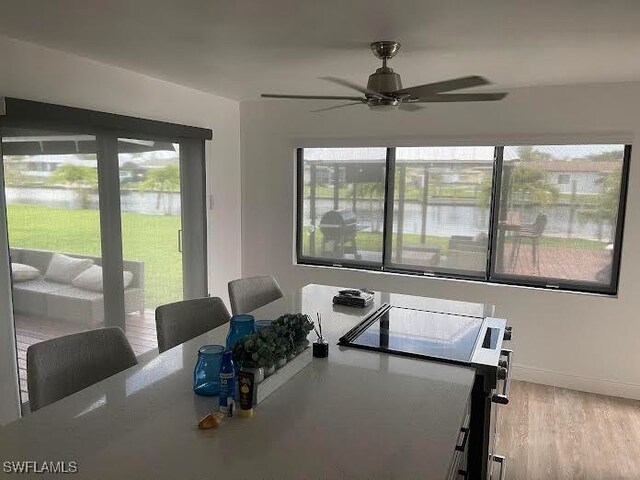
<point>41,297</point>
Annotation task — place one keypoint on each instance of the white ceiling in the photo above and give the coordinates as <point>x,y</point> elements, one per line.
<point>238,48</point>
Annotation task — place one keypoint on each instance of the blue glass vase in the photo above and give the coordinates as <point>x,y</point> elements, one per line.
<point>240,326</point>
<point>206,376</point>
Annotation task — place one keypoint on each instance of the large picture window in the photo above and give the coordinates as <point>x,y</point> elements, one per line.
<point>548,216</point>
<point>343,204</point>
<point>441,208</point>
<point>557,211</point>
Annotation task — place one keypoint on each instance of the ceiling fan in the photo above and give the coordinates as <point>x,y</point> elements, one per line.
<point>384,90</point>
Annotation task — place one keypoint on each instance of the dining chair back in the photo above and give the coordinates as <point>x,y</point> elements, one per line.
<point>247,294</point>
<point>61,366</point>
<point>181,321</point>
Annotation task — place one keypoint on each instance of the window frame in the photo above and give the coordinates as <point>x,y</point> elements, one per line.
<point>440,272</point>
<point>489,275</point>
<point>308,260</point>
<point>565,284</point>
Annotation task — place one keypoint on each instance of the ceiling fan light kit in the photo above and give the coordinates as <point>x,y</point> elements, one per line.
<point>384,89</point>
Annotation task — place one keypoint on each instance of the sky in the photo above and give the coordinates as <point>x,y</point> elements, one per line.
<point>448,154</point>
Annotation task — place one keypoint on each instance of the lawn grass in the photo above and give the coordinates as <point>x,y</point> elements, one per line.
<point>372,242</point>
<point>151,239</point>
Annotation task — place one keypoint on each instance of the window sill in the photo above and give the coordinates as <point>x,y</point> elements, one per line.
<point>449,279</point>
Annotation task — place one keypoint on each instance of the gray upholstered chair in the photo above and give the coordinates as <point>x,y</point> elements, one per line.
<point>247,294</point>
<point>61,366</point>
<point>181,321</point>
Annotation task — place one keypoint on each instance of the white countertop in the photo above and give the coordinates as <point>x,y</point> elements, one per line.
<point>357,414</point>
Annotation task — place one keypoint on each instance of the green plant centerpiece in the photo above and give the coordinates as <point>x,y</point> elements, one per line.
<point>294,328</point>
<point>256,350</point>
<point>272,346</point>
<point>283,344</point>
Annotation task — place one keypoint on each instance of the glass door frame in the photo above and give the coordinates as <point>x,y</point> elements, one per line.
<point>10,408</point>
<point>107,129</point>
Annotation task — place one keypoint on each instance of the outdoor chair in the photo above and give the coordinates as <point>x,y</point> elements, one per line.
<point>531,234</point>
<point>61,366</point>
<point>181,321</point>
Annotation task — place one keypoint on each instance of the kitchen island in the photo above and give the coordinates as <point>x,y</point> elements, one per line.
<point>356,414</point>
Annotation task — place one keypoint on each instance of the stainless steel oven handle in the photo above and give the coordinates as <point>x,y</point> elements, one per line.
<point>502,460</point>
<point>507,333</point>
<point>503,398</point>
<point>465,437</point>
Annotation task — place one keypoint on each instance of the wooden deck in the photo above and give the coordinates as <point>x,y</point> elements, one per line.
<point>140,330</point>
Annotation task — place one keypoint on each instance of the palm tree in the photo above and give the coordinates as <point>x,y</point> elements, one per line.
<point>528,186</point>
<point>164,181</point>
<point>82,179</point>
<point>605,207</point>
<point>375,191</point>
<point>528,153</point>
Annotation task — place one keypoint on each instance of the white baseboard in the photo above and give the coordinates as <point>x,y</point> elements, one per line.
<point>574,382</point>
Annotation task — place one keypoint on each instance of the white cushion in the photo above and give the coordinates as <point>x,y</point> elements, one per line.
<point>91,279</point>
<point>23,273</point>
<point>64,269</point>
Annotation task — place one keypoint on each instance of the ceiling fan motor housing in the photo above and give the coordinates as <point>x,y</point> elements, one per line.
<point>384,80</point>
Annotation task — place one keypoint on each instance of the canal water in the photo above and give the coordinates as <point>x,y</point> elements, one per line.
<point>442,220</point>
<point>134,201</point>
<point>447,220</point>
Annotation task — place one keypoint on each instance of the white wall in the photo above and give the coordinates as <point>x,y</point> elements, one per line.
<point>37,73</point>
<point>580,341</point>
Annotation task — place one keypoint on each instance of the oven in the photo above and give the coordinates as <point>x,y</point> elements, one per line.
<point>458,339</point>
<point>489,395</point>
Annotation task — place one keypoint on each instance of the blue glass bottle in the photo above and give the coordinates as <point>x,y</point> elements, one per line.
<point>240,326</point>
<point>227,381</point>
<point>206,375</point>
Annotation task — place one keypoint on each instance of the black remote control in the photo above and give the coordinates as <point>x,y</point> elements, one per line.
<point>351,292</point>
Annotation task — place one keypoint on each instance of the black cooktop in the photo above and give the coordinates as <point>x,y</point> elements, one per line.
<point>417,333</point>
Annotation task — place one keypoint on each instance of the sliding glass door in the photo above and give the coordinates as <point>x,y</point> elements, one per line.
<point>150,205</point>
<point>102,219</point>
<point>51,191</point>
<point>95,228</point>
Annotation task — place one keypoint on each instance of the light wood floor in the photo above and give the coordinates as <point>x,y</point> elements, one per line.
<point>140,330</point>
<point>555,433</point>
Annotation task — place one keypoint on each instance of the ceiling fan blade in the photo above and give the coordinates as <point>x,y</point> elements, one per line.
<point>410,107</point>
<point>444,86</point>
<point>462,97</point>
<point>355,86</point>
<point>338,106</point>
<point>312,97</point>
